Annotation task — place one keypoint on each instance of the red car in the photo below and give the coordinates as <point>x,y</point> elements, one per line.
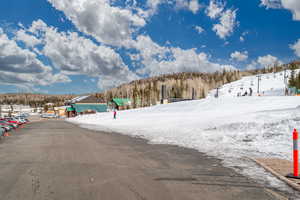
<point>10,120</point>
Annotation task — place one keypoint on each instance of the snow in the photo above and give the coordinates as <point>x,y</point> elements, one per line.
<point>229,127</point>
<point>79,98</point>
<point>271,84</point>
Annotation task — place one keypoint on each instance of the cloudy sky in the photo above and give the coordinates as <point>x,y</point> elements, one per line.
<point>82,46</point>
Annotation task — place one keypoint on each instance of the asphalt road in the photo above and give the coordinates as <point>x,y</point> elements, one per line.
<point>55,160</point>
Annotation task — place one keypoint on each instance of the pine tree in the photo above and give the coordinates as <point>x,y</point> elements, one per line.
<point>292,80</point>
<point>297,81</point>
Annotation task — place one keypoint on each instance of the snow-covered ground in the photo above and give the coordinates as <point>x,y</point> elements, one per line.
<point>229,127</point>
<point>271,84</point>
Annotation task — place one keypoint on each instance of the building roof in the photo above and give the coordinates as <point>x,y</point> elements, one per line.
<point>121,101</point>
<point>91,99</point>
<point>70,109</point>
<point>76,99</point>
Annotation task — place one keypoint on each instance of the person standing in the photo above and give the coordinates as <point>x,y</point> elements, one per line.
<point>250,91</point>
<point>115,114</point>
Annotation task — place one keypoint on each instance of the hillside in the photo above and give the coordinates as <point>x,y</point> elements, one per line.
<point>34,100</point>
<point>148,92</point>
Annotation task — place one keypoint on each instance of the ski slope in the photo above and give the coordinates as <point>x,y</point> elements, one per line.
<point>229,127</point>
<point>271,84</point>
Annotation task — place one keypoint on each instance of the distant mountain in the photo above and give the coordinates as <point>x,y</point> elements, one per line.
<point>34,100</point>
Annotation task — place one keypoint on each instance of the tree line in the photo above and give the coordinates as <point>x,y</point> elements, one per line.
<point>294,80</point>
<point>33,100</point>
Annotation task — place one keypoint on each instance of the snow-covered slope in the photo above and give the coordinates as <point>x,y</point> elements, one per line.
<point>271,84</point>
<point>228,127</point>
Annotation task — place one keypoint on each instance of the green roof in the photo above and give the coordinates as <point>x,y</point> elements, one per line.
<point>121,101</point>
<point>95,107</point>
<point>70,109</point>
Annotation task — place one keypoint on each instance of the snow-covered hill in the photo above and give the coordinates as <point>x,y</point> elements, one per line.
<point>271,84</point>
<point>229,127</point>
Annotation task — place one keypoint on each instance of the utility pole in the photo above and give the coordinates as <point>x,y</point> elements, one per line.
<point>163,93</point>
<point>258,80</point>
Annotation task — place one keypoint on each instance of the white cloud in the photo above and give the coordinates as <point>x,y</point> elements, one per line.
<point>242,37</point>
<point>214,9</point>
<point>271,3</point>
<point>152,7</point>
<point>161,60</point>
<point>239,56</point>
<point>108,24</point>
<point>73,54</point>
<point>252,65</point>
<point>268,60</point>
<point>293,6</point>
<point>30,81</point>
<point>192,5</point>
<point>296,48</point>
<point>199,29</point>
<point>264,61</point>
<point>29,40</point>
<point>22,67</point>
<point>226,25</point>
<point>15,59</point>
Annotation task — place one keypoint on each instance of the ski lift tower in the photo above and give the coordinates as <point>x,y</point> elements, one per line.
<point>217,92</point>
<point>285,76</point>
<point>258,80</point>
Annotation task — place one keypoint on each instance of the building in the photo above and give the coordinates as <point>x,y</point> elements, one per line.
<point>61,111</point>
<point>120,103</point>
<point>86,105</point>
<point>11,110</point>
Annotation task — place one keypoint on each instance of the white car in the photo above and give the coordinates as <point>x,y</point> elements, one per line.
<point>48,115</point>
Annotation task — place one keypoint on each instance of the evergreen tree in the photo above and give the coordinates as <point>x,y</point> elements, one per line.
<point>292,80</point>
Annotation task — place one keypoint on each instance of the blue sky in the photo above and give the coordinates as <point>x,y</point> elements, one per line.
<point>83,46</point>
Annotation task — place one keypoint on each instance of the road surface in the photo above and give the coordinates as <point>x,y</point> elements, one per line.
<point>56,160</point>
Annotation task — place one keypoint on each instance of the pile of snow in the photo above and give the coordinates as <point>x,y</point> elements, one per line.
<point>229,128</point>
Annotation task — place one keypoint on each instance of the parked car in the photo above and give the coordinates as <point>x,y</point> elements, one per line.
<point>6,127</point>
<point>13,120</point>
<point>9,121</point>
<point>48,115</point>
<point>20,119</point>
<point>4,122</point>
